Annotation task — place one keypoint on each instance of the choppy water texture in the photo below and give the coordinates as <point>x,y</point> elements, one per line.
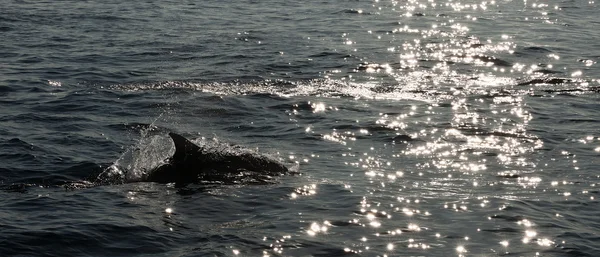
<point>421,128</point>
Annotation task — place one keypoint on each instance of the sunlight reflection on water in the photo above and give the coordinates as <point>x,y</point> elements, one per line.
<point>434,127</point>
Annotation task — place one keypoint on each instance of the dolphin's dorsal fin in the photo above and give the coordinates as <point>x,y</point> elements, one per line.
<point>183,147</point>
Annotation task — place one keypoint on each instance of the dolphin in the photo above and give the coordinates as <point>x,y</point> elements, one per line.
<point>193,164</point>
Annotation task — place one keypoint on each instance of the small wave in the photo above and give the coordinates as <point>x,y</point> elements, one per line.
<point>329,54</point>
<point>548,81</point>
<point>483,59</point>
<point>546,71</point>
<point>317,87</point>
<point>354,11</point>
<point>537,49</point>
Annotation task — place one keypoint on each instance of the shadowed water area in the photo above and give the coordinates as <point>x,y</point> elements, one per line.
<point>418,128</point>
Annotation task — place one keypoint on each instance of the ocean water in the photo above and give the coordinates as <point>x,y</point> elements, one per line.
<point>419,127</point>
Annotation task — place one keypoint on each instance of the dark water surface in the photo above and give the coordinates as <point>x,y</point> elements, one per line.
<point>421,128</point>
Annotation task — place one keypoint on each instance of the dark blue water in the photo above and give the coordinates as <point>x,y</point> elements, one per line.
<point>421,128</point>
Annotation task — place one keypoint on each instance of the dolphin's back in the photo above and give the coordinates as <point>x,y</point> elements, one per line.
<point>192,163</point>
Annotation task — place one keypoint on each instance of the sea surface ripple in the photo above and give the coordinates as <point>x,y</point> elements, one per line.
<point>419,127</point>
